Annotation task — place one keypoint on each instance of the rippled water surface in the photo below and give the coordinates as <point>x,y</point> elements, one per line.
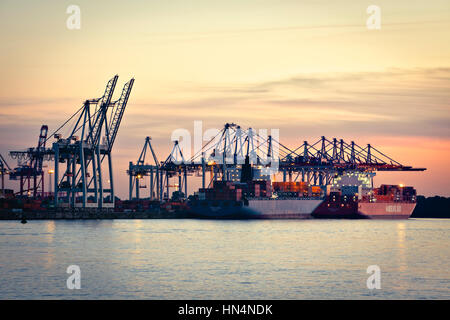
<point>200,259</point>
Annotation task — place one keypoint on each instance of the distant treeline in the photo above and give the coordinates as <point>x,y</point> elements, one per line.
<point>432,207</point>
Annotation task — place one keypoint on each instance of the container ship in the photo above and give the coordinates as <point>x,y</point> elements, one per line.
<point>248,193</point>
<point>255,200</point>
<point>352,197</point>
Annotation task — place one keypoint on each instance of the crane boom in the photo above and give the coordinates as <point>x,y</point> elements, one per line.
<point>3,163</point>
<point>101,113</point>
<point>40,149</point>
<point>117,113</point>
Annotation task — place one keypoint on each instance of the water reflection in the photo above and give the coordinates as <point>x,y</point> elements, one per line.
<point>401,247</point>
<point>195,259</point>
<point>137,236</point>
<point>49,235</point>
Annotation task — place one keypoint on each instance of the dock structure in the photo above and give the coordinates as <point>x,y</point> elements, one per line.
<point>30,171</point>
<point>87,161</point>
<point>4,170</point>
<point>83,166</point>
<point>83,172</point>
<point>225,155</point>
<point>138,171</point>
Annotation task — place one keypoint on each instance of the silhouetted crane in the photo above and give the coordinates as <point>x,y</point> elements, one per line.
<point>4,169</point>
<point>29,171</point>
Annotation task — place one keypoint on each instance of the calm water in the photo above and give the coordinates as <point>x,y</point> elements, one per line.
<point>196,259</point>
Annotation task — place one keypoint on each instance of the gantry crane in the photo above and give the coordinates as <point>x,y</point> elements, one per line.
<point>174,165</point>
<point>320,162</point>
<point>4,169</point>
<point>83,152</point>
<point>29,171</point>
<point>232,149</point>
<point>141,169</point>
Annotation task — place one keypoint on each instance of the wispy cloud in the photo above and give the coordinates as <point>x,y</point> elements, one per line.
<point>398,101</point>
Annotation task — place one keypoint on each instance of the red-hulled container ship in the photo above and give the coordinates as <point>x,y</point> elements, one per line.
<point>355,199</point>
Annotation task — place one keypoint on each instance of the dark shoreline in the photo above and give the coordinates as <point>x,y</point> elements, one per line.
<point>88,215</point>
<point>430,207</point>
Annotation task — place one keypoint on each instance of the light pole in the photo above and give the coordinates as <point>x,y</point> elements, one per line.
<point>50,172</point>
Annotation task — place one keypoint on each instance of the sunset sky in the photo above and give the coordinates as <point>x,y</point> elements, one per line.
<point>309,68</point>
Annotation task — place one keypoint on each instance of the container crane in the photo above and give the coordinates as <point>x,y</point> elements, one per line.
<point>318,163</point>
<point>83,152</point>
<point>30,172</point>
<point>4,169</point>
<point>140,170</point>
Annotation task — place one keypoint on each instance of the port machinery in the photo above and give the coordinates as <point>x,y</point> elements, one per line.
<point>4,170</point>
<point>137,172</point>
<point>83,162</point>
<point>30,171</point>
<point>318,163</point>
<point>82,159</point>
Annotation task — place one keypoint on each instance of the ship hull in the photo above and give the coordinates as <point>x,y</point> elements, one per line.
<point>226,209</point>
<point>282,208</point>
<point>255,209</point>
<point>365,210</point>
<point>299,209</point>
<point>386,210</point>
<point>337,210</point>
